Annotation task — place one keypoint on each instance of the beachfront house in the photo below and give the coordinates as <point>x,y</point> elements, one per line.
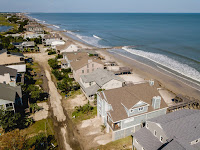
<point>13,60</point>
<point>125,110</point>
<point>85,66</point>
<point>8,75</point>
<point>179,130</point>
<point>70,48</point>
<point>72,56</point>
<point>10,96</point>
<point>49,38</point>
<point>99,79</point>
<point>36,28</point>
<point>31,35</point>
<point>24,45</point>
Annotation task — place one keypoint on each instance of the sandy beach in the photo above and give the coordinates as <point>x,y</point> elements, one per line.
<point>140,70</point>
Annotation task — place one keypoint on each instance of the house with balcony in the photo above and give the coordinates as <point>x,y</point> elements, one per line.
<point>125,110</point>
<point>85,66</point>
<point>99,79</point>
<point>8,75</point>
<point>13,60</point>
<point>10,96</point>
<point>179,130</point>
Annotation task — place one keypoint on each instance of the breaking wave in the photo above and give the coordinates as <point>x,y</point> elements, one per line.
<point>97,37</point>
<point>87,39</point>
<point>165,61</point>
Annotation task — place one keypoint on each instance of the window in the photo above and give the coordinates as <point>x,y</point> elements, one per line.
<point>132,110</point>
<point>155,132</point>
<point>161,138</point>
<point>92,65</point>
<point>87,70</point>
<point>82,71</point>
<point>90,83</point>
<point>140,108</point>
<point>143,148</point>
<point>87,65</point>
<point>147,125</point>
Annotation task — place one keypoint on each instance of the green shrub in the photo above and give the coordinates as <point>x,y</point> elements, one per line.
<point>57,74</point>
<point>51,52</point>
<point>53,63</point>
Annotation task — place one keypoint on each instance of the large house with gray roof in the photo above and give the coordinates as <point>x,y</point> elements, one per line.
<point>179,130</point>
<point>99,79</point>
<point>125,110</point>
<point>9,97</point>
<point>8,75</point>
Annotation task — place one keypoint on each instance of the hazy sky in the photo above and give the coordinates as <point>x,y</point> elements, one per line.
<point>190,6</point>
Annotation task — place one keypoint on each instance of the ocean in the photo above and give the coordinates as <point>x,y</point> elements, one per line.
<point>171,41</point>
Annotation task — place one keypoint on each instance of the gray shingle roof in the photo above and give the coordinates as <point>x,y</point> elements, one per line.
<point>101,76</point>
<point>91,90</point>
<point>8,92</point>
<point>12,72</point>
<point>181,128</point>
<point>183,124</point>
<point>147,140</point>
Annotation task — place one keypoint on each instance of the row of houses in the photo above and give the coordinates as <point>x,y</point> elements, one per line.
<point>123,109</point>
<point>12,69</point>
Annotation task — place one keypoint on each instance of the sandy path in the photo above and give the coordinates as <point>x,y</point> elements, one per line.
<point>55,97</point>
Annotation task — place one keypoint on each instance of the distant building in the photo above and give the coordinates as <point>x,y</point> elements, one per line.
<point>36,28</point>
<point>99,79</point>
<point>10,97</point>
<point>70,48</point>
<point>24,45</point>
<point>125,110</point>
<point>8,75</point>
<point>49,38</point>
<point>33,35</point>
<point>179,130</point>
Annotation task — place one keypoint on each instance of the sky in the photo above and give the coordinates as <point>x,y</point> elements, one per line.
<point>100,6</point>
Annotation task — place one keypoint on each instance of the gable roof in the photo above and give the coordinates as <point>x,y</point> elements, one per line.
<point>100,76</point>
<point>8,92</point>
<point>12,72</point>
<point>181,127</point>
<point>83,62</point>
<point>183,124</point>
<point>71,56</point>
<point>128,96</point>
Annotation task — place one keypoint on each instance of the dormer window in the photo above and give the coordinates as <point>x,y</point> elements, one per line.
<point>140,108</point>
<point>161,139</point>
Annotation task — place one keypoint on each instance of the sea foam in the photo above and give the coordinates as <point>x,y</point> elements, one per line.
<point>165,61</point>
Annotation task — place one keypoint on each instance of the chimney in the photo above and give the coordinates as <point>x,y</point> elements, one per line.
<point>156,102</point>
<point>151,82</point>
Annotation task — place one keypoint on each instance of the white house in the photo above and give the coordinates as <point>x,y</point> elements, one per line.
<point>99,79</point>
<point>70,48</point>
<point>8,75</point>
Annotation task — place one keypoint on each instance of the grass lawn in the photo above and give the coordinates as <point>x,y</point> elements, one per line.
<point>122,144</point>
<point>5,22</point>
<point>80,116</point>
<point>39,127</point>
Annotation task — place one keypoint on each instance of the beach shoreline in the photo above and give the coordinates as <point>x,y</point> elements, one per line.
<point>170,82</point>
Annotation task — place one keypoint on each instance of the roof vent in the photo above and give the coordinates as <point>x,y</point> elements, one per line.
<point>151,82</point>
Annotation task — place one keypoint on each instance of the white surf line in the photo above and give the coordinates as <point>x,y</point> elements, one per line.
<point>128,50</point>
<point>177,75</point>
<point>156,70</point>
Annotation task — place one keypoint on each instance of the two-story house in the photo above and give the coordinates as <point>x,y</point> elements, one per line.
<point>99,79</point>
<point>13,60</point>
<point>49,38</point>
<point>36,28</point>
<point>125,110</point>
<point>85,66</point>
<point>8,75</point>
<point>69,57</point>
<point>10,96</point>
<point>179,130</point>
